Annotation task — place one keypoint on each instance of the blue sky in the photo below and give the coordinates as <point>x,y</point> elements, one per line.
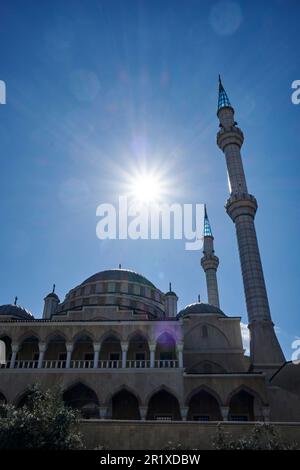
<point>94,88</point>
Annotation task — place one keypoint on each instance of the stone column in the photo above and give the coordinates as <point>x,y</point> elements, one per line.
<point>14,349</point>
<point>224,412</point>
<point>152,348</point>
<point>42,350</point>
<point>184,412</point>
<point>124,347</point>
<point>266,413</point>
<point>179,347</point>
<point>143,412</point>
<point>69,348</point>
<point>102,412</point>
<point>97,347</point>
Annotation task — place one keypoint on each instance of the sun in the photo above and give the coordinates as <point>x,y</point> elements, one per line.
<point>147,188</point>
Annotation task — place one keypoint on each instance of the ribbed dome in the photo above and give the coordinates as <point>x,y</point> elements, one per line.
<point>119,275</point>
<point>15,311</point>
<point>200,307</point>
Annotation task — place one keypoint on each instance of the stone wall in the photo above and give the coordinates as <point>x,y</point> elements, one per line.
<point>135,435</point>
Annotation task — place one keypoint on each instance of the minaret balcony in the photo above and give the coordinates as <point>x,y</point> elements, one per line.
<point>232,135</point>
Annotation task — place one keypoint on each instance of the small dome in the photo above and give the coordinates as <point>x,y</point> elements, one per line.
<point>52,295</point>
<point>119,275</point>
<point>16,312</point>
<point>171,293</point>
<point>200,307</point>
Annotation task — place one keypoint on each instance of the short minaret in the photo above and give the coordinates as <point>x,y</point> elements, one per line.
<point>241,207</point>
<point>51,303</point>
<point>171,302</point>
<point>210,263</point>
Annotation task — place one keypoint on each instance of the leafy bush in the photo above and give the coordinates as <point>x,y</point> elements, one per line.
<point>261,437</point>
<point>42,423</point>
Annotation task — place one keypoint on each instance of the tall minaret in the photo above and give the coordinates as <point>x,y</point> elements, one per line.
<point>241,206</point>
<point>210,263</point>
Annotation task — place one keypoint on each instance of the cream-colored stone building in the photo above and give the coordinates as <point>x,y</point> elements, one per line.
<point>119,349</point>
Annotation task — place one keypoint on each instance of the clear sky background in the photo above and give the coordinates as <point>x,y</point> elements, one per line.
<point>94,88</point>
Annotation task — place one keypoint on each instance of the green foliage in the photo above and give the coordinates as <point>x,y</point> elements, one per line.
<point>261,437</point>
<point>42,423</point>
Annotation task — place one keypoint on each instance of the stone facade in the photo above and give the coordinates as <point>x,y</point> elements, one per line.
<point>119,350</point>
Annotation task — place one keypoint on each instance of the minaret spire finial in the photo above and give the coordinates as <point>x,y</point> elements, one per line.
<point>53,290</point>
<point>223,100</point>
<point>199,298</point>
<point>16,299</point>
<point>170,287</point>
<point>207,232</point>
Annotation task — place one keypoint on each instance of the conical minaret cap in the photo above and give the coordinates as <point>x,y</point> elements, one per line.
<point>223,100</point>
<point>207,232</point>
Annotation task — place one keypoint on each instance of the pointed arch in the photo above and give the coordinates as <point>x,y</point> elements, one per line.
<point>166,331</point>
<point>119,389</point>
<point>56,333</point>
<point>83,334</point>
<point>111,333</point>
<point>247,389</point>
<point>136,333</point>
<point>28,335</point>
<point>83,349</point>
<point>158,389</point>
<point>6,334</point>
<point>196,328</point>
<point>165,348</point>
<point>245,404</point>
<point>56,349</point>
<point>163,405</point>
<point>206,389</point>
<point>83,398</point>
<point>204,405</point>
<point>206,367</point>
<point>23,397</point>
<point>125,404</point>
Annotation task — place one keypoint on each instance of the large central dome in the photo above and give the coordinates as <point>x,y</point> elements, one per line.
<point>119,275</point>
<point>121,288</point>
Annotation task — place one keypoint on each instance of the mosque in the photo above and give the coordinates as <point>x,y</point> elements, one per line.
<point>120,350</point>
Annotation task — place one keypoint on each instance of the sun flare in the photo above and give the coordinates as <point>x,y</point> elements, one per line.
<point>147,188</point>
